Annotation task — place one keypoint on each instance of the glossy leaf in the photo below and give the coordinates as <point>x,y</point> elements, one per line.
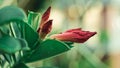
<point>9,44</point>
<point>11,13</point>
<point>34,19</point>
<point>4,29</point>
<point>47,49</point>
<point>29,35</point>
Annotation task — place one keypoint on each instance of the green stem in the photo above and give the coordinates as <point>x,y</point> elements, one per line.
<point>21,53</point>
<point>12,30</point>
<point>3,62</point>
<point>7,57</point>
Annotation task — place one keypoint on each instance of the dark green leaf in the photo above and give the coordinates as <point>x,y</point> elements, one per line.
<point>11,13</point>
<point>9,44</point>
<point>20,65</point>
<point>47,49</point>
<point>29,35</point>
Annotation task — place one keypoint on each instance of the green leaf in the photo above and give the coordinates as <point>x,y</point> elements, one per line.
<point>47,49</point>
<point>14,14</point>
<point>9,44</point>
<point>34,19</point>
<point>4,29</point>
<point>20,65</point>
<point>29,35</point>
<point>11,13</point>
<point>24,44</point>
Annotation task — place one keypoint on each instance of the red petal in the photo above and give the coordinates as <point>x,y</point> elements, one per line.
<point>47,27</point>
<point>45,18</point>
<point>84,37</point>
<point>74,35</point>
<point>46,15</point>
<point>71,30</point>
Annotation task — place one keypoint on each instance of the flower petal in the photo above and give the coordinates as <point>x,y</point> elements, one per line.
<point>45,16</point>
<point>71,30</point>
<point>45,29</point>
<point>44,19</point>
<point>74,35</point>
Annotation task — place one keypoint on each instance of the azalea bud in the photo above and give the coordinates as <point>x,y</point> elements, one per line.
<point>74,35</point>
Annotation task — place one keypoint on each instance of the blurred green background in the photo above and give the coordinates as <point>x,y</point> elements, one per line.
<point>102,16</point>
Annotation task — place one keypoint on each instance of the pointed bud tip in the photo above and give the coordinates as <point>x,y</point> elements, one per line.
<point>47,27</point>
<point>50,20</point>
<point>49,23</point>
<point>49,8</point>
<point>94,33</point>
<point>46,14</point>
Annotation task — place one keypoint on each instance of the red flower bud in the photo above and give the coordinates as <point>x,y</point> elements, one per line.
<point>74,35</point>
<point>46,28</point>
<point>45,25</point>
<point>45,16</point>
